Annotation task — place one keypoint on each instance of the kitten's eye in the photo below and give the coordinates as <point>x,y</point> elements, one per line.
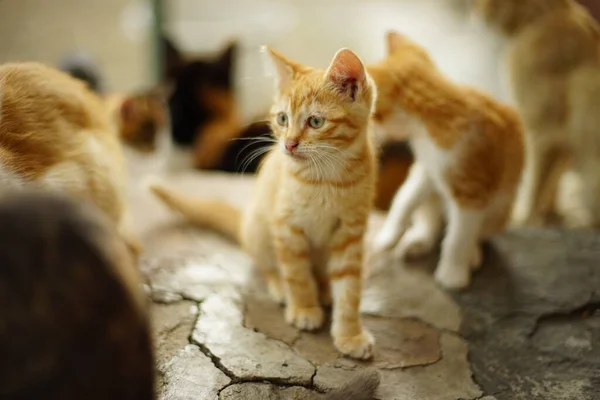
<point>282,119</point>
<point>316,122</point>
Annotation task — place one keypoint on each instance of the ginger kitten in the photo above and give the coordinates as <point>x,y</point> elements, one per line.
<point>56,135</point>
<point>554,69</point>
<point>74,323</point>
<point>304,227</point>
<point>468,159</point>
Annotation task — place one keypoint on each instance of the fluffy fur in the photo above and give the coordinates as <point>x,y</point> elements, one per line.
<point>56,135</point>
<point>74,323</point>
<point>554,66</point>
<point>305,225</point>
<point>469,155</point>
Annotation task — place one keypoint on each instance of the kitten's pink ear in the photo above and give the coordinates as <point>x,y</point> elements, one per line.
<point>394,41</point>
<point>347,72</point>
<point>285,68</point>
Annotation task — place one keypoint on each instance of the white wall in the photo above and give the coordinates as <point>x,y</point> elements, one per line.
<point>311,31</point>
<point>114,32</point>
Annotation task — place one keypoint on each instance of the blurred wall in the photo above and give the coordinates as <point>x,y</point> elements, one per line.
<point>311,31</point>
<point>113,32</point>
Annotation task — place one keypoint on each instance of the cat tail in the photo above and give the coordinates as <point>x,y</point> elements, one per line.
<point>210,214</point>
<point>362,386</point>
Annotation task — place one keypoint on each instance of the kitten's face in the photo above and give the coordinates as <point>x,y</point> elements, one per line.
<point>391,123</point>
<point>321,115</point>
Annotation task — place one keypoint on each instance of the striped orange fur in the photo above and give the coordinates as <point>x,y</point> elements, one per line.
<point>305,225</point>
<point>468,161</point>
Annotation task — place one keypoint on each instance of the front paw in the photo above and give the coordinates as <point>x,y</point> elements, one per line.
<point>453,277</point>
<point>386,238</point>
<point>306,319</point>
<point>360,346</point>
<point>415,244</point>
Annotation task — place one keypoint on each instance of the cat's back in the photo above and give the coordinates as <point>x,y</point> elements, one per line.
<point>34,97</point>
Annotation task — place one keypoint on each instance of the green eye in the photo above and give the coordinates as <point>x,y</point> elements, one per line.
<point>316,122</point>
<point>282,119</point>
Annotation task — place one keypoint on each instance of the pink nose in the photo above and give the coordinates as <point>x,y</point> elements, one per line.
<point>290,145</point>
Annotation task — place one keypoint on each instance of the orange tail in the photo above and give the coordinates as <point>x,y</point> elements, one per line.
<point>216,215</point>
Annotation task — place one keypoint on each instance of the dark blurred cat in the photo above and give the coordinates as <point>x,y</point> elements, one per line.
<point>73,317</point>
<point>204,112</point>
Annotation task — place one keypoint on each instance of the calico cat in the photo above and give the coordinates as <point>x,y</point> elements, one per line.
<point>305,225</point>
<point>56,135</point>
<point>469,155</point>
<point>74,322</point>
<point>204,113</point>
<point>554,69</point>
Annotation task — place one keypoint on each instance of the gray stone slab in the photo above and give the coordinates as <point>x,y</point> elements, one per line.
<point>191,375</point>
<point>264,391</point>
<point>531,317</point>
<point>246,354</point>
<point>448,379</point>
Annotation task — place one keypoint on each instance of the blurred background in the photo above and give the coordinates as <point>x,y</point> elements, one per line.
<point>120,36</point>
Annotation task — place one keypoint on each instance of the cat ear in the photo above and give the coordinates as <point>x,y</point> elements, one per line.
<point>227,57</point>
<point>173,61</point>
<point>347,72</point>
<point>394,41</point>
<point>285,68</point>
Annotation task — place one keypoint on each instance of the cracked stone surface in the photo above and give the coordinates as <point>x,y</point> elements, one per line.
<point>529,327</point>
<point>192,375</point>
<point>259,391</point>
<point>531,317</point>
<point>246,354</point>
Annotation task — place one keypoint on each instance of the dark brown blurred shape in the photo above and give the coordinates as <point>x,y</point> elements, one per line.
<point>73,323</point>
<point>395,161</point>
<point>593,6</point>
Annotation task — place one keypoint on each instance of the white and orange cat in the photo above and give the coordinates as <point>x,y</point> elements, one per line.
<point>56,135</point>
<point>304,228</point>
<point>469,156</point>
<point>553,62</point>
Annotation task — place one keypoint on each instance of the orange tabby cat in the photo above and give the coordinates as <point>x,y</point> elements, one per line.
<point>305,225</point>
<point>469,154</point>
<point>554,69</point>
<point>56,135</point>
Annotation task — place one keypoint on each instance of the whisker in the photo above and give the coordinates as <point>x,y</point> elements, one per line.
<point>254,155</point>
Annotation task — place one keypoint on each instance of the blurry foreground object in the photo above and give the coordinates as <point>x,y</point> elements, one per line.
<point>73,322</point>
<point>554,68</point>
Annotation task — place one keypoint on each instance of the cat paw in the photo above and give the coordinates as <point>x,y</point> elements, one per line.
<point>306,319</point>
<point>453,278</point>
<point>415,244</point>
<point>476,258</point>
<point>386,238</point>
<point>360,346</point>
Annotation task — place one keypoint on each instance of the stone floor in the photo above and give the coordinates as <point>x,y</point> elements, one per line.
<point>528,328</point>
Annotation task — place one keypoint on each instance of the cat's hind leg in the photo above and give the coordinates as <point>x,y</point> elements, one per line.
<point>423,235</point>
<point>541,167</point>
<point>416,188</point>
<point>459,247</point>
